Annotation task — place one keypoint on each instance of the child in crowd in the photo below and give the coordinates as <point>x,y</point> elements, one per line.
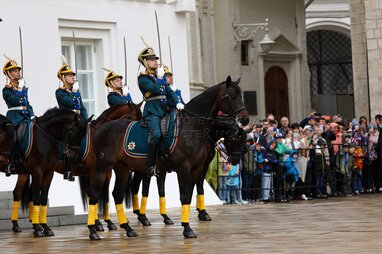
<point>232,183</point>
<point>344,163</point>
<point>357,167</point>
<point>259,154</point>
<point>321,163</point>
<point>291,174</point>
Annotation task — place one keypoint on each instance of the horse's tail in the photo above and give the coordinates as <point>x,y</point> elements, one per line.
<point>84,188</point>
<point>128,192</point>
<point>26,194</point>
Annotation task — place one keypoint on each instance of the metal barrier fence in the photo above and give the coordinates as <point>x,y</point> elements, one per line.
<point>341,171</point>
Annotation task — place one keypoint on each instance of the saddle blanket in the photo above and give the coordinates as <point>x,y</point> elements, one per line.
<point>25,139</point>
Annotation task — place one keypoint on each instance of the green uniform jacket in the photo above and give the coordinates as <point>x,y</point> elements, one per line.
<point>65,100</point>
<point>115,98</point>
<point>12,98</point>
<point>149,83</point>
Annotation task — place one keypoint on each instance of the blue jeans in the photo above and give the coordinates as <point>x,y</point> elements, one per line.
<point>266,185</point>
<point>222,189</point>
<point>320,183</point>
<point>234,190</point>
<point>357,181</point>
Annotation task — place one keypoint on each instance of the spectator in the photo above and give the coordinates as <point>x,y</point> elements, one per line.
<point>259,156</point>
<point>284,125</point>
<point>222,171</point>
<point>321,163</point>
<point>291,174</point>
<point>232,183</point>
<point>345,164</point>
<point>357,168</point>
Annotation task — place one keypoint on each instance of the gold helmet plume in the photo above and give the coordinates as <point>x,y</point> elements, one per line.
<point>167,70</point>
<point>9,65</point>
<point>64,70</point>
<point>110,76</point>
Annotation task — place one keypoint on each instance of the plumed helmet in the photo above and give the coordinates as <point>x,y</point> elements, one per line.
<point>64,70</point>
<point>167,70</point>
<point>110,76</point>
<point>9,65</point>
<point>146,53</point>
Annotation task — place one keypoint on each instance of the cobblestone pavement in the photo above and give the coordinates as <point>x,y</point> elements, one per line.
<point>336,225</point>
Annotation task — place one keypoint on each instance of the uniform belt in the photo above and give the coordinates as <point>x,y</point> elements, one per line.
<point>159,97</point>
<point>18,108</point>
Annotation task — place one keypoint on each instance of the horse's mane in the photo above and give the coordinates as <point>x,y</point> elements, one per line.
<point>105,114</point>
<point>56,114</point>
<point>4,120</point>
<point>205,94</point>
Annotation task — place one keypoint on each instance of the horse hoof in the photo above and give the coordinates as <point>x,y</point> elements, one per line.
<point>16,229</point>
<point>131,233</point>
<point>189,234</point>
<point>94,237</point>
<point>111,225</point>
<point>143,219</point>
<point>168,221</point>
<point>48,232</point>
<point>204,217</point>
<point>99,226</point>
<point>38,233</point>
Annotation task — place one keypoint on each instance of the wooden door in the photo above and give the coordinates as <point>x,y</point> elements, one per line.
<point>276,92</point>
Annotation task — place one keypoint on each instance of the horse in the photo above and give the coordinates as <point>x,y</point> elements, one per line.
<point>82,168</point>
<point>195,123</point>
<point>224,127</point>
<point>7,140</point>
<point>57,127</point>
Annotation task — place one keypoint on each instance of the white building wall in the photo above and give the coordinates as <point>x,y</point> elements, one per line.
<point>104,22</point>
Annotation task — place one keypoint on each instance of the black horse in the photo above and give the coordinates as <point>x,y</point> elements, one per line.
<point>223,127</point>
<point>195,124</point>
<point>55,129</point>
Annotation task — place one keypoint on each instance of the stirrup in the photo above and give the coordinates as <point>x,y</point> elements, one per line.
<point>8,170</point>
<point>69,176</point>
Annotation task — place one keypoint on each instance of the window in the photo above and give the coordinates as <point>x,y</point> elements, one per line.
<point>250,102</point>
<point>85,70</point>
<point>244,52</point>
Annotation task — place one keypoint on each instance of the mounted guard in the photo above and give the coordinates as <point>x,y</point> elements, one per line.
<point>69,98</point>
<point>160,99</point>
<point>116,96</point>
<point>170,80</point>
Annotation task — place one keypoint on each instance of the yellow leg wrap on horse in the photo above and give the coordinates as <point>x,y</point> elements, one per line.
<point>92,215</point>
<point>142,209</point>
<point>36,214</point>
<point>162,205</point>
<point>43,211</point>
<point>15,211</point>
<point>96,214</point>
<point>106,213</point>
<point>135,202</point>
<point>185,213</point>
<point>30,204</point>
<point>121,214</point>
<point>200,202</point>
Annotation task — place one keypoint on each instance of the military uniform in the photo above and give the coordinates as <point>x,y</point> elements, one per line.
<point>177,91</point>
<point>69,99</point>
<point>16,98</point>
<point>66,97</point>
<point>159,97</point>
<point>116,96</point>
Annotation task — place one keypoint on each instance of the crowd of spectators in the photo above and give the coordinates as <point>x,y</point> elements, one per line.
<point>319,157</point>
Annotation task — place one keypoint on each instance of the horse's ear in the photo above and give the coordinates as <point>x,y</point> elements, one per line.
<point>228,81</point>
<point>140,104</point>
<point>237,81</point>
<point>90,118</point>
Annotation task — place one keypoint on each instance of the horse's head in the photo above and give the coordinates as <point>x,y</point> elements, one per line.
<point>135,111</point>
<point>233,135</point>
<point>231,102</point>
<point>7,139</point>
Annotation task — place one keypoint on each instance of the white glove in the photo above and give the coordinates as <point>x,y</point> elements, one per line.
<point>160,72</point>
<point>22,83</point>
<point>76,86</point>
<point>173,87</point>
<point>180,106</point>
<point>126,89</point>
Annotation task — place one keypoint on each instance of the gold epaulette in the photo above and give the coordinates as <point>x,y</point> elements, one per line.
<point>147,94</point>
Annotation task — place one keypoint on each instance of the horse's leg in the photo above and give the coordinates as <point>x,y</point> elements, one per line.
<point>121,181</point>
<point>47,180</point>
<point>36,191</point>
<point>186,185</point>
<point>94,195</point>
<point>17,195</point>
<point>106,212</point>
<point>137,178</point>
<point>145,193</point>
<point>162,198</point>
<point>200,206</point>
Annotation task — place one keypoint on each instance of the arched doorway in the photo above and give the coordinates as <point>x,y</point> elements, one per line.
<point>276,92</point>
<point>331,73</point>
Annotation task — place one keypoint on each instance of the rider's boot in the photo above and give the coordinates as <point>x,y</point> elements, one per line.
<point>151,159</point>
<point>68,175</point>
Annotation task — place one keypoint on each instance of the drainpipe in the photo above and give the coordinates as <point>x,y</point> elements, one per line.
<point>307,4</point>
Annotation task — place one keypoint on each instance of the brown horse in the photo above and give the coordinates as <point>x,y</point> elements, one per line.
<point>84,167</point>
<point>55,128</point>
<point>224,127</point>
<point>186,160</point>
